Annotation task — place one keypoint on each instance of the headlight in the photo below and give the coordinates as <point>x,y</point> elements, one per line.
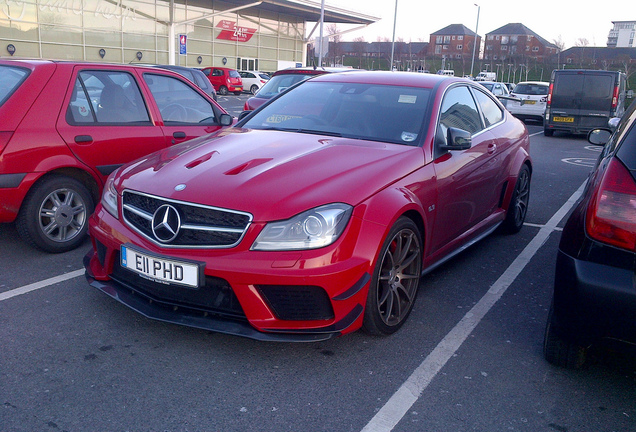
<point>109,197</point>
<point>312,229</point>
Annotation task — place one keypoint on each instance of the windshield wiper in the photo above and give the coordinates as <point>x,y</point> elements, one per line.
<point>319,132</point>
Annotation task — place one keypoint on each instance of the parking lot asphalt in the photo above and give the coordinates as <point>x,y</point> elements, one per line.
<point>469,358</point>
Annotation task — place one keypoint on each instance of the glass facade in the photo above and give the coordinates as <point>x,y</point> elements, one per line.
<point>119,31</point>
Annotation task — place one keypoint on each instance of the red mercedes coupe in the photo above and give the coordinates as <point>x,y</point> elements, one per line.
<point>317,214</point>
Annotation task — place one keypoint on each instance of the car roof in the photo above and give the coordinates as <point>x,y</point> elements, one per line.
<point>391,78</point>
<point>309,70</point>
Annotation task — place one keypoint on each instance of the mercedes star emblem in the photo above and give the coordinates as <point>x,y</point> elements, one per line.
<point>166,223</point>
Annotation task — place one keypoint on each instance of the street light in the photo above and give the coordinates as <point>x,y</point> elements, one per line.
<point>393,42</point>
<point>472,63</point>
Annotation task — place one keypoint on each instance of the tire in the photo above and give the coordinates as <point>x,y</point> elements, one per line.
<point>518,207</point>
<point>237,93</point>
<point>548,132</point>
<point>223,91</point>
<point>395,280</point>
<point>254,89</point>
<point>560,352</point>
<point>54,215</point>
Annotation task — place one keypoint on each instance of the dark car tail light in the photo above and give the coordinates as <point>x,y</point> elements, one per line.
<point>611,214</point>
<point>615,97</point>
<point>550,94</point>
<point>4,140</point>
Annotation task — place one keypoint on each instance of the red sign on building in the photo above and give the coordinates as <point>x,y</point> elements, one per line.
<point>230,31</point>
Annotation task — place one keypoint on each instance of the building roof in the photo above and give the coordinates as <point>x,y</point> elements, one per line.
<point>454,29</point>
<point>601,53</point>
<point>520,29</point>
<point>306,9</point>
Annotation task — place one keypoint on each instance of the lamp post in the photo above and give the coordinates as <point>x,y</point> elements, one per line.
<point>472,63</point>
<point>393,42</point>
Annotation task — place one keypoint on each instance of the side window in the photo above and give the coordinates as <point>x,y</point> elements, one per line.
<point>217,72</point>
<point>459,111</point>
<point>492,113</point>
<point>178,102</point>
<point>106,97</point>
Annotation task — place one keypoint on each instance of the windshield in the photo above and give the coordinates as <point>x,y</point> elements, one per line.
<point>531,89</point>
<point>364,111</point>
<point>10,79</point>
<point>279,83</point>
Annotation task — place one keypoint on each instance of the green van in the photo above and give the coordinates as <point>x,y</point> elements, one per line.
<point>580,100</point>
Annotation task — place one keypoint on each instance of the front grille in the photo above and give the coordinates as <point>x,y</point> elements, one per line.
<point>216,296</point>
<point>297,302</point>
<point>200,226</point>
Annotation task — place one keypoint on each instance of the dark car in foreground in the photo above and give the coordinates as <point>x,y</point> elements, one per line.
<point>65,126</point>
<point>282,80</point>
<point>317,214</point>
<point>594,299</point>
<point>195,75</point>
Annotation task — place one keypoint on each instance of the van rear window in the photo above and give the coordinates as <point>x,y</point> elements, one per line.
<point>10,79</point>
<point>583,91</point>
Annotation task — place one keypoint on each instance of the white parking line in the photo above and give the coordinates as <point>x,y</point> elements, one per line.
<point>42,284</point>
<point>404,398</point>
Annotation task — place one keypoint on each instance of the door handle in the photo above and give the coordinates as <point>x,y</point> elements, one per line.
<point>179,135</point>
<point>492,148</point>
<point>83,139</point>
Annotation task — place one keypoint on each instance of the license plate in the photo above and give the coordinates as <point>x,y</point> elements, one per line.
<point>563,119</point>
<point>160,269</point>
<point>529,102</point>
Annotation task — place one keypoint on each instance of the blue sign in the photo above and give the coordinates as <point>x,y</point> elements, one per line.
<point>183,41</point>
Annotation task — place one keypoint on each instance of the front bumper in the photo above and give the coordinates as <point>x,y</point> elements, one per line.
<point>282,296</point>
<point>593,301</point>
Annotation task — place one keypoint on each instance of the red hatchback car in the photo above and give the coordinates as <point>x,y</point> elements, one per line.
<point>317,214</point>
<point>66,126</point>
<point>224,80</point>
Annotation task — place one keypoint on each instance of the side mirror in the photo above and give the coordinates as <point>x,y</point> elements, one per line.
<point>226,120</point>
<point>613,123</point>
<point>457,139</point>
<point>599,136</point>
<point>244,114</point>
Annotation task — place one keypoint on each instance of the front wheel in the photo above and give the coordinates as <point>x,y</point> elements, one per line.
<point>395,280</point>
<point>518,207</point>
<point>54,215</point>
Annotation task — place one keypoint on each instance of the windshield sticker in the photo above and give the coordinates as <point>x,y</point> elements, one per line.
<point>408,137</point>
<point>410,99</point>
<point>279,118</point>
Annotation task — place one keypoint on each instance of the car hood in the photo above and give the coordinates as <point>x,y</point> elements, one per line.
<point>270,174</point>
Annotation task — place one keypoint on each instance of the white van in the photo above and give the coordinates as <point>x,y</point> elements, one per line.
<point>447,72</point>
<point>486,76</point>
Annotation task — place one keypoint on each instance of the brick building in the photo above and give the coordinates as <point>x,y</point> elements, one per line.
<point>516,42</point>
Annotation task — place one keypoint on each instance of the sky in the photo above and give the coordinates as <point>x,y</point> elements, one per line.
<point>564,20</point>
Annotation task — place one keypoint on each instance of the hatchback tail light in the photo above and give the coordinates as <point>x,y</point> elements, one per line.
<point>4,140</point>
<point>611,214</point>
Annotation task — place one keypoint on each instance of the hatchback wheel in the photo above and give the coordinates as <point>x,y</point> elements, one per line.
<point>54,215</point>
<point>223,91</point>
<point>395,280</point>
<point>560,352</point>
<point>518,207</point>
<point>254,89</point>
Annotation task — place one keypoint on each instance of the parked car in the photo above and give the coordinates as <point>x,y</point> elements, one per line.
<point>318,213</point>
<point>66,126</point>
<point>253,80</point>
<point>284,79</point>
<point>194,75</point>
<point>224,80</point>
<point>580,100</point>
<point>594,286</point>
<point>533,97</point>
<point>499,89</point>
